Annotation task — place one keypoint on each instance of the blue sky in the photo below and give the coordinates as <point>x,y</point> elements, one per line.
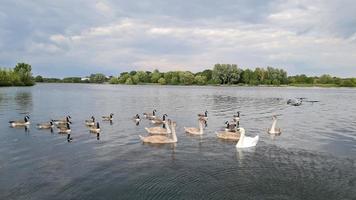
<point>76,38</point>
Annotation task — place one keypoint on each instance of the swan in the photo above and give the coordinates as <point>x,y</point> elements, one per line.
<point>229,133</point>
<point>203,116</point>
<point>160,130</point>
<point>196,131</point>
<point>108,118</point>
<point>46,125</point>
<point>62,121</point>
<point>159,121</point>
<point>149,115</point>
<point>90,122</point>
<point>95,129</point>
<point>161,139</point>
<point>64,130</point>
<point>273,130</point>
<point>244,141</point>
<point>23,122</point>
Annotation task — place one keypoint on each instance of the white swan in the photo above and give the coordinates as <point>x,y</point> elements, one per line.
<point>161,139</point>
<point>273,130</point>
<point>159,130</point>
<point>196,131</point>
<point>244,141</point>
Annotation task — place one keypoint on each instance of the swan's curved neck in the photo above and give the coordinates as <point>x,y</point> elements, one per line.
<point>273,127</point>
<point>201,127</point>
<point>174,136</point>
<point>241,140</point>
<point>168,128</point>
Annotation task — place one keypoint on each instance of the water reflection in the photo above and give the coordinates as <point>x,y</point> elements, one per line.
<point>23,101</point>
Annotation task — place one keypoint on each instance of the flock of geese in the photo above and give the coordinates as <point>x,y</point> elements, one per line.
<point>157,134</point>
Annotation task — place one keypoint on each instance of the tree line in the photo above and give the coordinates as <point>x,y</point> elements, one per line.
<point>93,78</point>
<point>229,74</point>
<point>20,75</point>
<point>221,74</point>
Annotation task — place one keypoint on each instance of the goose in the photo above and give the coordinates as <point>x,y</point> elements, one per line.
<point>62,121</point>
<point>24,122</point>
<point>237,117</point>
<point>161,139</point>
<point>196,131</point>
<point>273,130</point>
<point>244,141</point>
<point>95,129</point>
<point>149,115</point>
<point>108,118</point>
<point>90,122</point>
<point>204,116</point>
<point>230,127</point>
<point>159,121</point>
<point>64,130</point>
<point>136,118</point>
<point>46,125</point>
<point>165,130</point>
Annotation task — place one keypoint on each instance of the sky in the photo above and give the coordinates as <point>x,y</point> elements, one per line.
<point>77,38</point>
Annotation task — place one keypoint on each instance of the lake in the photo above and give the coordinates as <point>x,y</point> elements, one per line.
<point>313,158</point>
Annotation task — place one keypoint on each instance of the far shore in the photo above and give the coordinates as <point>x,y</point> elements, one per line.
<point>218,85</point>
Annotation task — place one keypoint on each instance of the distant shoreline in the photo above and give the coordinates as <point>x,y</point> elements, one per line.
<point>217,85</point>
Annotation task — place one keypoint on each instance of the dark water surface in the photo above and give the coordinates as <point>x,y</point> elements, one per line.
<point>314,158</point>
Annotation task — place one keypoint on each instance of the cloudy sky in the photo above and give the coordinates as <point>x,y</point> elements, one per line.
<point>76,38</point>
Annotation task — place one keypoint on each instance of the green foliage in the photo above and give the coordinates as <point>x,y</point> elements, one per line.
<point>21,75</point>
<point>200,80</point>
<point>155,76</point>
<point>162,81</point>
<point>114,80</point>
<point>186,78</point>
<point>129,81</point>
<point>39,79</point>
<point>97,78</point>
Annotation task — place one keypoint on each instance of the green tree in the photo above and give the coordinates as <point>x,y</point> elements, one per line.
<point>97,78</point>
<point>25,74</point>
<point>39,79</point>
<point>186,78</point>
<point>155,76</point>
<point>129,81</point>
<point>200,80</point>
<point>162,81</point>
<point>114,80</point>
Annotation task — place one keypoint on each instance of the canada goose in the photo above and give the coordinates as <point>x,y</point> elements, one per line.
<point>108,118</point>
<point>95,129</point>
<point>62,121</point>
<point>231,127</point>
<point>136,118</point>
<point>165,130</point>
<point>149,115</point>
<point>273,130</point>
<point>161,139</point>
<point>244,141</point>
<point>64,130</point>
<point>25,122</point>
<point>204,116</point>
<point>237,117</point>
<point>159,121</point>
<point>196,131</point>
<point>90,122</point>
<point>46,125</point>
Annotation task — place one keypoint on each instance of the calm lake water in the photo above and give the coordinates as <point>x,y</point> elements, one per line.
<point>314,157</point>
